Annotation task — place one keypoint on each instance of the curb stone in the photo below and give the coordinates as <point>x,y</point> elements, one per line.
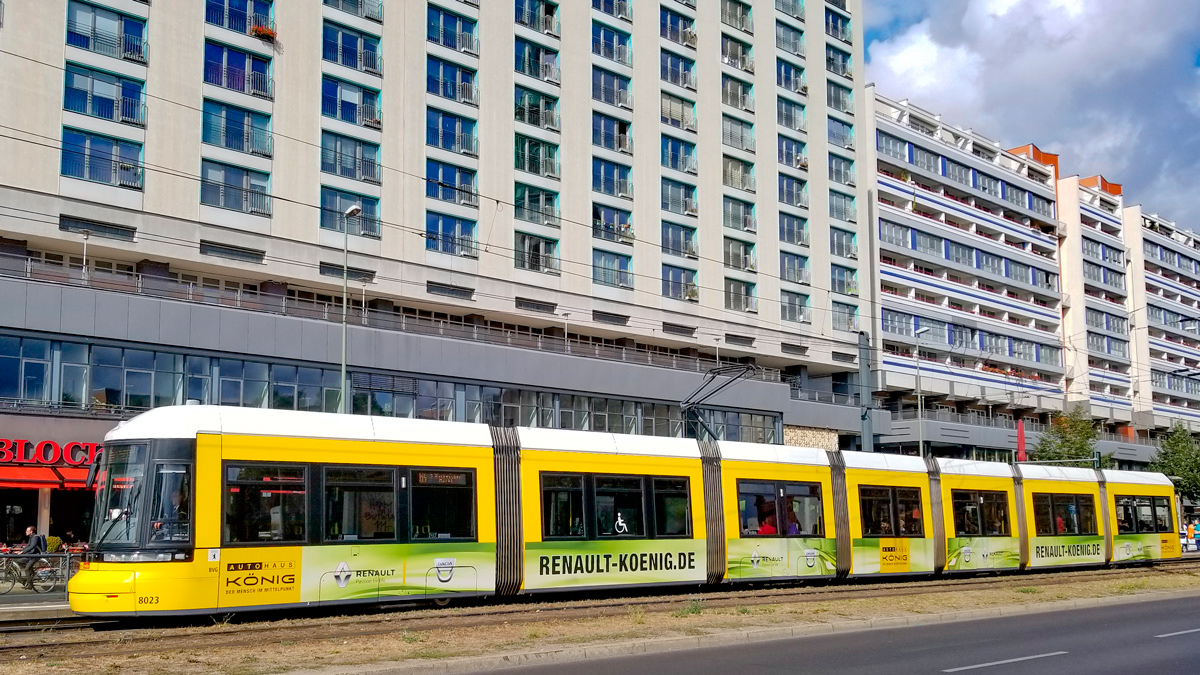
<point>471,664</point>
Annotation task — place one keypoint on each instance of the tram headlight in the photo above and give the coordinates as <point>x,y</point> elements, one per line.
<point>138,556</point>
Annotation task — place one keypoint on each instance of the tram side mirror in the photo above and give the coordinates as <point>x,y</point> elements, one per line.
<point>93,470</point>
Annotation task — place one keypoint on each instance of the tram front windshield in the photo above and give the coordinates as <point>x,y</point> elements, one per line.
<point>119,488</point>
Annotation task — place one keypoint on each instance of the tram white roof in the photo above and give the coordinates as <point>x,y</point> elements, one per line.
<point>1048,472</point>
<point>1136,477</point>
<point>189,420</point>
<point>782,454</point>
<point>617,444</point>
<point>967,467</point>
<point>884,461</point>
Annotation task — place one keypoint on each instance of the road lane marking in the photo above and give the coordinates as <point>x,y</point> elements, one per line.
<point>1005,661</point>
<point>1182,632</point>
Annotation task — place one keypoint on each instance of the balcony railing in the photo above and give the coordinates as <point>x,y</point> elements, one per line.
<point>116,45</point>
<point>798,313</point>
<point>257,25</point>
<point>612,277</point>
<point>681,290</point>
<point>793,8</point>
<point>238,137</point>
<point>102,168</point>
<point>360,226</point>
<point>36,271</point>
<point>617,8</point>
<point>741,261</point>
<point>845,322</point>
<point>740,20</point>
<point>465,247</point>
<point>840,32</point>
<point>617,187</point>
<point>349,166</point>
<point>538,165</point>
<point>740,61</point>
<point>367,9</point>
<point>678,35</point>
<point>363,115</point>
<point>615,52</point>
<point>235,198</point>
<point>612,140</point>
<point>463,144</point>
<point>546,23</point>
<point>546,215</point>
<point>536,262</point>
<point>123,110</point>
<point>680,161</point>
<point>682,205</point>
<point>543,70</point>
<point>797,198</point>
<point>686,248</point>
<point>838,67</point>
<point>255,84</point>
<point>840,4</point>
<point>790,45</point>
<point>797,275</point>
<point>364,60</point>
<point>620,232</point>
<point>681,77</point>
<point>463,193</point>
<point>740,180</point>
<point>467,43</point>
<point>740,302</point>
<point>538,116</point>
<point>739,220</point>
<point>613,95</point>
<point>738,99</point>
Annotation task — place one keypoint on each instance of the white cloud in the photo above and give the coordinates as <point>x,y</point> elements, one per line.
<point>1109,84</point>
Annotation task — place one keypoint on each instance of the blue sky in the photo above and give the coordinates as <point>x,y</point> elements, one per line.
<point>1083,78</point>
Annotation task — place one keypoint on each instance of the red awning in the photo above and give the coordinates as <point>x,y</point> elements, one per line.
<point>43,476</point>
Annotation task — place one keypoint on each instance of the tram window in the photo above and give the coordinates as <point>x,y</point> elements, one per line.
<point>443,504</point>
<point>1126,515</point>
<point>169,509</point>
<point>995,514</point>
<point>966,513</point>
<point>805,518</point>
<point>1145,514</point>
<point>619,507</point>
<point>908,512</point>
<point>672,508</point>
<point>1162,514</point>
<point>1087,514</point>
<point>877,513</point>
<point>562,506</point>
<point>360,504</point>
<point>756,505</point>
<point>1043,516</point>
<point>1066,515</point>
<point>120,494</point>
<point>265,503</point>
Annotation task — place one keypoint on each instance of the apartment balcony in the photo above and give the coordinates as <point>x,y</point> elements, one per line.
<point>463,92</point>
<point>362,60</point>
<point>349,166</point>
<point>546,71</point>
<point>845,322</point>
<point>538,165</point>
<point>739,180</point>
<point>235,79</point>
<point>361,225</point>
<point>840,4</point>
<point>613,96</point>
<point>849,287</point>
<point>797,198</point>
<point>465,194</point>
<point>367,9</point>
<point>680,77</point>
<point>737,139</point>
<point>130,111</point>
<point>613,141</point>
<point>842,141</point>
<point>537,262</point>
<point>680,161</point>
<point>794,121</point>
<point>462,144</point>
<point>617,8</point>
<point>237,137</point>
<point>839,33</point>
<point>790,45</point>
<point>844,250</point>
<point>622,54</point>
<point>794,85</point>
<point>743,62</point>
<point>538,116</point>
<point>686,249</point>
<point>102,168</point>
<point>681,290</point>
<point>235,198</point>
<point>684,206</point>
<point>612,277</point>
<point>680,36</point>
<point>736,99</point>
<point>740,220</point>
<point>838,67</point>
<point>618,232</point>
<point>739,20</point>
<point>796,314</point>
<point>255,25</point>
<point>741,302</point>
<point>117,45</point>
<point>544,23</point>
<point>546,215</point>
<point>616,187</point>
<point>797,275</point>
<point>794,160</point>
<point>740,261</point>
<point>793,8</point>
<point>467,43</point>
<point>465,247</point>
<point>361,115</point>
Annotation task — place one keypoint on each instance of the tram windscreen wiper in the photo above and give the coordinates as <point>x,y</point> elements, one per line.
<point>123,516</point>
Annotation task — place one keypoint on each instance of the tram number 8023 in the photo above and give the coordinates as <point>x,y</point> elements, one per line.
<point>148,600</point>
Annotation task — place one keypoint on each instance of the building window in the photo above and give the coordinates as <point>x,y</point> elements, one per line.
<point>231,187</point>
<point>736,53</point>
<point>958,173</point>
<point>793,191</point>
<point>610,43</point>
<point>738,174</point>
<point>96,94</point>
<point>793,229</point>
<point>101,159</point>
<point>837,26</point>
<point>350,103</point>
<point>677,112</point>
<point>840,98</point>
<point>992,264</point>
<point>352,49</point>
<point>538,15</point>
<point>536,157</point>
<point>843,243</point>
<point>450,80</point>
<point>1016,196</point>
<point>349,158</point>
<point>612,223</point>
<point>536,61</point>
<point>537,254</point>
<point>237,70</point>
<point>837,61</point>
<point>897,323</point>
<point>737,14</point>
<point>929,244</point>
<point>334,204</point>
<point>988,184</point>
<point>841,170</point>
<point>738,214</point>
<point>843,280</point>
<point>106,32</point>
<point>739,255</point>
<point>679,198</point>
<point>237,129</point>
<point>737,93</point>
<point>451,132</point>
<point>679,239</point>
<point>841,134</point>
<point>450,183</point>
<point>536,108</point>
<point>370,9</point>
<point>793,267</point>
<point>893,147</point>
<point>737,134</point>
<point>792,152</point>
<point>611,178</point>
<point>536,205</point>
<point>963,255</point>
<point>794,307</point>
<point>612,269</point>
<point>679,283</point>
<point>740,296</point>
<point>842,207</point>
<point>789,76</point>
<point>611,133</point>
<point>451,30</point>
<point>789,39</point>
<point>894,234</point>
<point>678,70</point>
<point>611,88</point>
<point>926,160</point>
<point>790,114</point>
<point>845,317</point>
<point>448,234</point>
<point>676,27</point>
<point>678,154</point>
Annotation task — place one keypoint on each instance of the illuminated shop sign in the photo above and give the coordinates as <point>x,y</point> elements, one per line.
<point>47,453</point>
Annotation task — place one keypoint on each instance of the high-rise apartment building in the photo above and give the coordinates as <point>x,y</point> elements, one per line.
<point>664,184</point>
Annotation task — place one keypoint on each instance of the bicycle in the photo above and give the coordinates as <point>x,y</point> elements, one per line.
<point>43,576</point>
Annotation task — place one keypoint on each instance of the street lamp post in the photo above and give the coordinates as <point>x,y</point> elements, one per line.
<point>86,234</point>
<point>351,212</point>
<point>920,395</point>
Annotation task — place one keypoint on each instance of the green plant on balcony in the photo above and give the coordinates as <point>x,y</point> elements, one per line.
<point>263,32</point>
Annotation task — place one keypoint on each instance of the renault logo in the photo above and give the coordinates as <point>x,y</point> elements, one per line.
<point>342,574</point>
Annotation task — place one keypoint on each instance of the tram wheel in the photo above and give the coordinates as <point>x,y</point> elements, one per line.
<point>441,602</point>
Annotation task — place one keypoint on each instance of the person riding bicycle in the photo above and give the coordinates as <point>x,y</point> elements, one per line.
<point>34,546</point>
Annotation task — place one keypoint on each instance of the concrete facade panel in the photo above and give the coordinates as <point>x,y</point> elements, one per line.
<point>39,296</point>
<point>78,315</point>
<point>112,316</point>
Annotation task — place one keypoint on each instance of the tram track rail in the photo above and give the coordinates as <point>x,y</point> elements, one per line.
<point>111,639</point>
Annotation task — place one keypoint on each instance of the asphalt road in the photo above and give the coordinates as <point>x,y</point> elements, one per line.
<point>1148,637</point>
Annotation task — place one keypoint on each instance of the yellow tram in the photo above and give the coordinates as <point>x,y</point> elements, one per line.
<point>204,509</point>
